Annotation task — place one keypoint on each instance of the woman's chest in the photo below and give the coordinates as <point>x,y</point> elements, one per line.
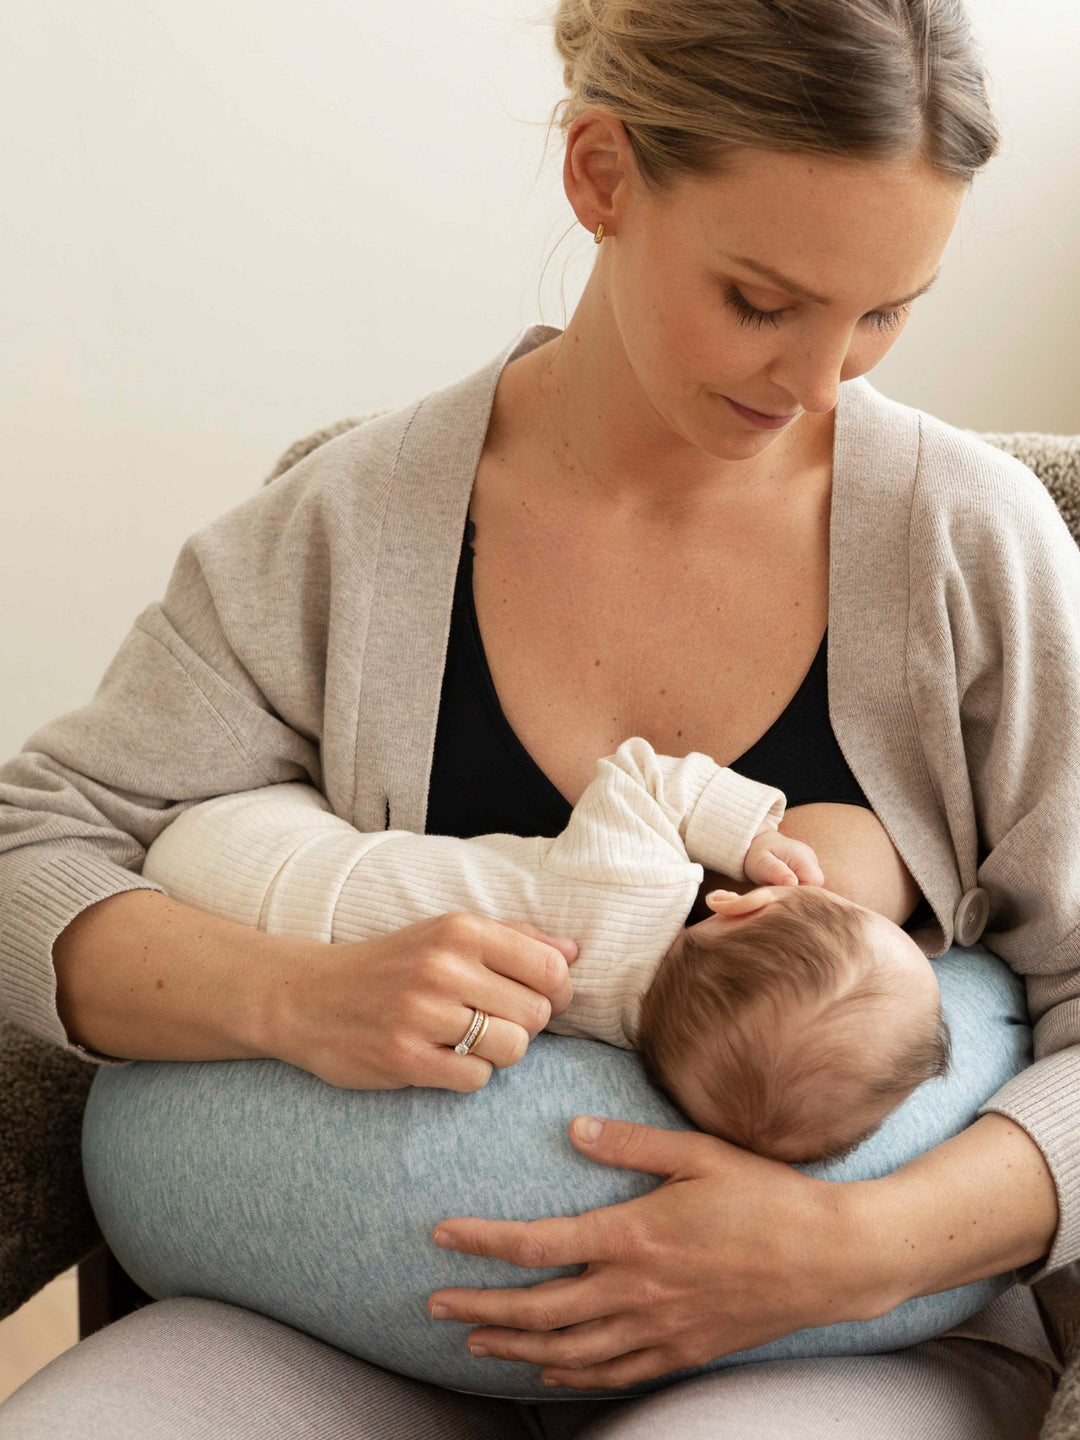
<point>599,626</point>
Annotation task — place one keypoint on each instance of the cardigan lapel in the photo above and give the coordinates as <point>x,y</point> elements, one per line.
<point>409,631</point>
<point>875,464</point>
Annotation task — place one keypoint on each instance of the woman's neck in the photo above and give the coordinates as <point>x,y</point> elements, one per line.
<point>594,430</point>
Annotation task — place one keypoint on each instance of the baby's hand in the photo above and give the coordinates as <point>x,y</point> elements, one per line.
<point>775,859</point>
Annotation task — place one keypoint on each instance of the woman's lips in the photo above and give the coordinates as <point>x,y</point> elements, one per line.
<point>755,417</point>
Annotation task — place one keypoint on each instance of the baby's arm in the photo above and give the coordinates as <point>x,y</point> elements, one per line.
<point>227,855</point>
<point>645,816</point>
<point>857,857</point>
<point>279,859</point>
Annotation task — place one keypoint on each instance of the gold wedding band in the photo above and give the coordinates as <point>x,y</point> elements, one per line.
<point>474,1034</point>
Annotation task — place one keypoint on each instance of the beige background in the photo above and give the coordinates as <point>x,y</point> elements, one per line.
<point>231,223</point>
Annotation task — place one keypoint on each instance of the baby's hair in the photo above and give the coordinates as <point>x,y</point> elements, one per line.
<point>767,1008</point>
<point>692,80</point>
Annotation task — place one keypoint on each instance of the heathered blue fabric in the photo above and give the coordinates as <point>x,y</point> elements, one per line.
<point>254,1182</point>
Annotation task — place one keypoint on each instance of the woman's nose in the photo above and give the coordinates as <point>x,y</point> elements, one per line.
<point>812,377</point>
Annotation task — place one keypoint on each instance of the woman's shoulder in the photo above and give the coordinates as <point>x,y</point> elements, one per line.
<point>277,563</point>
<point>338,481</point>
<point>338,478</point>
<point>328,516</point>
<point>965,485</point>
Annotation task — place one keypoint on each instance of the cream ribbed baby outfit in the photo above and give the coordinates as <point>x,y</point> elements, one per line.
<point>619,879</point>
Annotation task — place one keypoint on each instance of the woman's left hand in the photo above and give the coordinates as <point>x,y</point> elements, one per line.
<point>731,1251</point>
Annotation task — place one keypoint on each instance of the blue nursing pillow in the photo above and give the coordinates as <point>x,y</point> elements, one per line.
<point>255,1183</point>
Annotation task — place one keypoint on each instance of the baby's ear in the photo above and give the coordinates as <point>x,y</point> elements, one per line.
<point>727,903</point>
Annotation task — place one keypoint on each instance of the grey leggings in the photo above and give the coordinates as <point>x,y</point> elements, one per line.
<point>190,1369</point>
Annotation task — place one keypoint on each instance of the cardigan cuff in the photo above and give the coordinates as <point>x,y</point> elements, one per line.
<point>43,901</point>
<point>1045,1100</point>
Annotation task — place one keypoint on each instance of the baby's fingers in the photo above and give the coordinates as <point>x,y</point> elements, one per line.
<point>802,861</point>
<point>810,873</point>
<point>767,868</point>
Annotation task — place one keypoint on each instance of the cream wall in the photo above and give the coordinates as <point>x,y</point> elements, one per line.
<point>230,223</point>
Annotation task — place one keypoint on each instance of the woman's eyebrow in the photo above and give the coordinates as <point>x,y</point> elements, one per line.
<point>783,283</point>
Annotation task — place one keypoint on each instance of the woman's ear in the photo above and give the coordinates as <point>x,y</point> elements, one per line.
<point>729,905</point>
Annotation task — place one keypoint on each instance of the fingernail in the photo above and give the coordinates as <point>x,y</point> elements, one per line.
<point>552,1382</point>
<point>440,1312</point>
<point>442,1237</point>
<point>479,1351</point>
<point>588,1129</point>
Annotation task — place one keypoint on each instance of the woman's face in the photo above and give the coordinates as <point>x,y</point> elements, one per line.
<point>710,286</point>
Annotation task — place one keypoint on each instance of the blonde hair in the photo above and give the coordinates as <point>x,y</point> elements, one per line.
<point>691,80</point>
<point>720,996</point>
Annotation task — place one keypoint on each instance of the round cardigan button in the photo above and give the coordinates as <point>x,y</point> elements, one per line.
<point>971,916</point>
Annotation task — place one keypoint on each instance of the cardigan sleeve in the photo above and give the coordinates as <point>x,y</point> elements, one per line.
<point>215,689</point>
<point>1014,609</point>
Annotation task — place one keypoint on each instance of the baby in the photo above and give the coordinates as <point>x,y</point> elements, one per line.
<point>791,1021</point>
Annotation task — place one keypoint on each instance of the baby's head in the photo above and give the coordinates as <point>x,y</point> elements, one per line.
<point>795,1029</point>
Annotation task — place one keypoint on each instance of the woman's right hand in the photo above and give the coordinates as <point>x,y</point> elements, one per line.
<point>386,1013</point>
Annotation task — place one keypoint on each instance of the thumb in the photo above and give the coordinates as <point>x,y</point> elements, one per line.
<point>630,1146</point>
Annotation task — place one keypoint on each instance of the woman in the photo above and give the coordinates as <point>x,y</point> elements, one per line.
<point>675,501</point>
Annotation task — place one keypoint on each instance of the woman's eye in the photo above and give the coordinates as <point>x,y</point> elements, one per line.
<point>888,319</point>
<point>751,316</point>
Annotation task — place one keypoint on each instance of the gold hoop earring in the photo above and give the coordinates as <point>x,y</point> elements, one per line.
<point>598,237</point>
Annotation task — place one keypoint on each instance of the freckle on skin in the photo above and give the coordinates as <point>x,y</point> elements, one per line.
<point>161,984</point>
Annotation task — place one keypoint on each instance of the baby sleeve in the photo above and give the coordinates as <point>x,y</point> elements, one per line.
<point>645,816</point>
